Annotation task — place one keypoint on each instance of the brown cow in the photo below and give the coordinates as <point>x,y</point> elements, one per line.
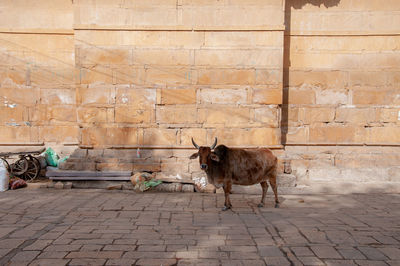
<point>226,166</point>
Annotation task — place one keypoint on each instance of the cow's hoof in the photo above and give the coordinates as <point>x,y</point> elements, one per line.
<point>225,208</point>
<point>260,205</point>
<point>276,205</point>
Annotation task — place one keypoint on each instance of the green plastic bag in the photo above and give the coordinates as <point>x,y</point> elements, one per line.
<point>51,157</point>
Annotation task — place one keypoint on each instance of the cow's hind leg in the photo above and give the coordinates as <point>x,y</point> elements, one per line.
<point>264,186</point>
<point>227,191</point>
<point>272,181</point>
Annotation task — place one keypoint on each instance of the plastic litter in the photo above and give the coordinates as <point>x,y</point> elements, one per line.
<point>4,177</point>
<point>51,157</point>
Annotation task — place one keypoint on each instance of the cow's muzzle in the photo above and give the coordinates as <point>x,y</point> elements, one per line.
<point>203,166</point>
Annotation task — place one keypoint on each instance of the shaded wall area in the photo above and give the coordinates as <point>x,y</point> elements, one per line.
<point>340,109</point>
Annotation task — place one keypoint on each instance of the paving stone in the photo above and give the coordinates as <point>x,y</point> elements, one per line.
<point>39,244</point>
<point>202,262</point>
<point>63,248</point>
<point>371,263</point>
<point>91,261</point>
<point>340,263</point>
<point>122,262</point>
<point>302,251</point>
<point>277,261</point>
<point>157,262</point>
<point>372,253</point>
<point>311,261</point>
<point>52,255</point>
<point>95,254</point>
<point>269,251</point>
<point>391,253</point>
<point>25,256</point>
<point>326,252</point>
<point>49,262</point>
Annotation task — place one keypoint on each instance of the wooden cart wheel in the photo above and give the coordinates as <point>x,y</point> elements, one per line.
<point>6,164</point>
<point>33,168</point>
<point>19,167</point>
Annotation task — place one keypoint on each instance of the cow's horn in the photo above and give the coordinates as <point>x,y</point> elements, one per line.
<point>215,144</point>
<point>194,144</point>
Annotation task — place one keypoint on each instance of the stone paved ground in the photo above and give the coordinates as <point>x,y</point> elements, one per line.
<point>98,227</point>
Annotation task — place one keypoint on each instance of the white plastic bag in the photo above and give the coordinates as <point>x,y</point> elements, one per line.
<point>4,177</point>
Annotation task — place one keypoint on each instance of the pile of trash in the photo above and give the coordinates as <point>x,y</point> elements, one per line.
<point>144,181</point>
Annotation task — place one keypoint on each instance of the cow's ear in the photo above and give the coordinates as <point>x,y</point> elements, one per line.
<point>214,157</point>
<point>194,155</point>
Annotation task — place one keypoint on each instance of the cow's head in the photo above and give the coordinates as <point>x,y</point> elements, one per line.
<point>205,154</point>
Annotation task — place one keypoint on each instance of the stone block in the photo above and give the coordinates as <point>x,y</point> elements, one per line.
<point>246,137</point>
<point>335,134</point>
<point>367,78</point>
<point>301,96</point>
<point>250,16</point>
<point>198,134</point>
<point>387,115</point>
<point>267,115</point>
<point>394,174</point>
<point>59,185</point>
<point>92,115</point>
<point>226,76</point>
<point>371,97</point>
<point>269,77</point>
<point>61,113</point>
<point>170,76</point>
<point>316,115</point>
<point>136,97</point>
<point>236,58</point>
<point>328,78</point>
<point>57,96</point>
<point>24,96</point>
<point>356,115</point>
<point>267,96</point>
<point>169,187</point>
<point>176,115</point>
<point>129,74</point>
<point>128,114</point>
<point>99,95</point>
<point>104,56</point>
<point>12,114</point>
<point>45,76</point>
<point>95,136</point>
<point>187,188</point>
<point>243,39</point>
<point>159,136</point>
<point>60,134</point>
<point>178,96</point>
<point>96,75</point>
<point>228,116</point>
<point>387,134</point>
<point>223,96</point>
<point>163,39</point>
<point>175,57</point>
<point>297,135</point>
<point>332,97</point>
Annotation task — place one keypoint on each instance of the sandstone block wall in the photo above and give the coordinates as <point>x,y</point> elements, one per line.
<point>318,78</point>
<point>163,71</point>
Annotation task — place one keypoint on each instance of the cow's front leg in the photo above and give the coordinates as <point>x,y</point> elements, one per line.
<point>264,186</point>
<point>227,191</point>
